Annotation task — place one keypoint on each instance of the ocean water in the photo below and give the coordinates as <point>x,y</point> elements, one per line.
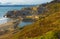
<point>4,10</point>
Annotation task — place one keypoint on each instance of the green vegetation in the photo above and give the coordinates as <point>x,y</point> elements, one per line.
<point>48,35</point>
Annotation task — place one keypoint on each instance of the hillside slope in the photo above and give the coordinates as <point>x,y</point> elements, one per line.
<point>48,21</point>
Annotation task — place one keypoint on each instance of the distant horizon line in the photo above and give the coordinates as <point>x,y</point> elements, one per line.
<point>16,5</point>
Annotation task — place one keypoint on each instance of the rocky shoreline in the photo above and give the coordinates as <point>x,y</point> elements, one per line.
<point>25,14</point>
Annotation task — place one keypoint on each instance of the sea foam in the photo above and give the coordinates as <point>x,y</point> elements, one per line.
<point>3,20</point>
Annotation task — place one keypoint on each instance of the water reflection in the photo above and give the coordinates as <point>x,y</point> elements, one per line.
<point>24,23</point>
